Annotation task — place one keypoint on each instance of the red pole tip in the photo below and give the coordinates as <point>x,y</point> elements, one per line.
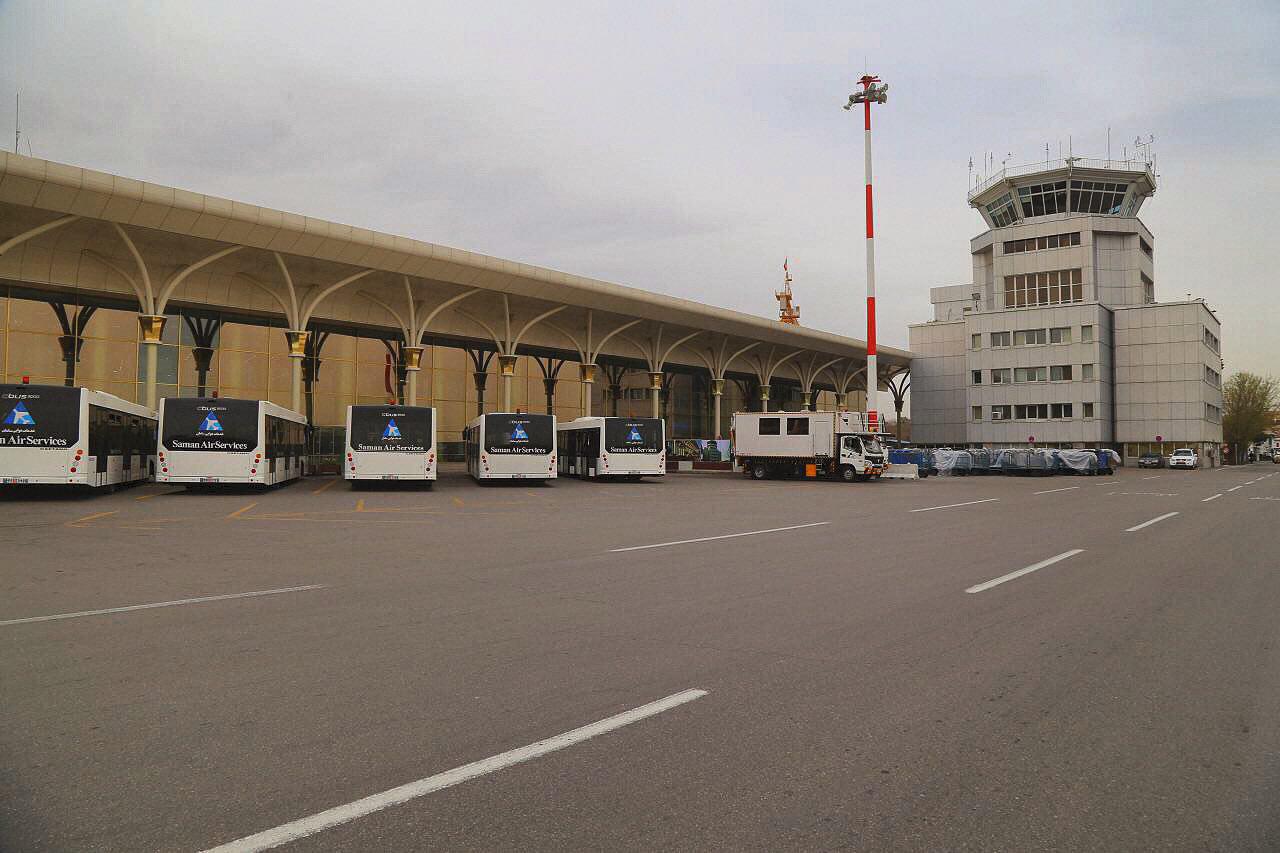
<point>26,380</point>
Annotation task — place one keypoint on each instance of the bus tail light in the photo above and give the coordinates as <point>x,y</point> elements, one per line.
<point>253,470</point>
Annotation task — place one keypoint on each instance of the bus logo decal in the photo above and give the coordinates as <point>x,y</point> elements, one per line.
<point>518,434</point>
<point>19,416</point>
<point>210,424</point>
<point>392,431</point>
<point>634,435</point>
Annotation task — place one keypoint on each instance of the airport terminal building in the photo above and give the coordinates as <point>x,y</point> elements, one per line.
<point>1060,341</point>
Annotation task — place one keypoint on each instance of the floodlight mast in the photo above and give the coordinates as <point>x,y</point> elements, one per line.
<point>872,90</point>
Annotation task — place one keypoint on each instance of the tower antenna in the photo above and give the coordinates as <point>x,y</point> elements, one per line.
<point>788,312</point>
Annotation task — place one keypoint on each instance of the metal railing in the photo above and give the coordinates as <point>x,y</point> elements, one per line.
<point>1130,165</point>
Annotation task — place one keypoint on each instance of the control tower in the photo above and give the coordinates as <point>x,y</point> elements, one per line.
<point>1059,340</point>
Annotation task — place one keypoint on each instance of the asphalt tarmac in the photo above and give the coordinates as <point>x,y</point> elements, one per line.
<point>837,666</point>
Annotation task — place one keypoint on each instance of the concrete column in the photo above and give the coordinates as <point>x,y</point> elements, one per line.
<point>297,352</point>
<point>412,366</point>
<point>655,391</point>
<point>587,373</point>
<point>764,398</point>
<point>842,402</point>
<point>806,401</point>
<point>507,369</point>
<point>481,379</point>
<point>152,326</point>
<point>717,391</point>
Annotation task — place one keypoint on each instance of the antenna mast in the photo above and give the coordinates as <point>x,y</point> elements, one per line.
<point>788,312</point>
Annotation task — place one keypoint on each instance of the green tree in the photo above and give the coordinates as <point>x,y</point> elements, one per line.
<point>1248,400</point>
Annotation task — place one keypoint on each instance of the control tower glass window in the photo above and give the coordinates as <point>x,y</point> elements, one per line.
<point>1043,199</point>
<point>1056,287</point>
<point>1097,197</point>
<point>1002,211</point>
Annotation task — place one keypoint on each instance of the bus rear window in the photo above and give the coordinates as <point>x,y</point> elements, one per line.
<point>394,429</point>
<point>628,435</point>
<point>39,416</point>
<point>522,434</point>
<point>220,426</point>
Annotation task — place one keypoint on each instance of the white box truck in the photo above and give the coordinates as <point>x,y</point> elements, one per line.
<point>809,444</point>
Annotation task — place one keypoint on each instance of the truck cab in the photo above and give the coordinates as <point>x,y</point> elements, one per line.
<point>861,456</point>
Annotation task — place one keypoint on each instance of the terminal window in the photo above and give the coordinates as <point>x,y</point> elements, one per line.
<point>1032,412</point>
<point>1060,411</point>
<point>976,376</point>
<point>1097,197</point>
<point>1088,410</point>
<point>975,341</point>
<point>1086,334</point>
<point>1001,413</point>
<point>1002,376</point>
<point>977,413</point>
<point>1002,211</point>
<point>1054,287</point>
<point>1086,372</point>
<point>1032,244</point>
<point>1029,337</point>
<point>1000,339</point>
<point>1028,374</point>
<point>1060,335</point>
<point>1060,373</point>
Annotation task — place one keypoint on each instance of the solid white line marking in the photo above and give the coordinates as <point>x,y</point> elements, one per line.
<point>714,538</point>
<point>1051,491</point>
<point>1233,488</point>
<point>338,815</point>
<point>949,506</point>
<point>1151,477</point>
<point>1211,497</point>
<point>56,616</point>
<point>1155,520</point>
<point>1034,567</point>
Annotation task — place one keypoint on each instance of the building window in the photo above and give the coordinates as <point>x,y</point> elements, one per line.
<point>1002,211</point>
<point>1086,334</point>
<point>1060,335</point>
<point>1212,413</point>
<point>1032,412</point>
<point>1210,339</point>
<point>1029,337</point>
<point>1060,411</point>
<point>976,376</point>
<point>797,426</point>
<point>1086,372</point>
<point>977,413</point>
<point>1043,199</point>
<point>1032,244</point>
<point>1145,247</point>
<point>1212,377</point>
<point>1088,410</point>
<point>1000,339</point>
<point>1001,376</point>
<point>1097,197</point>
<point>1148,289</point>
<point>975,341</point>
<point>1029,374</point>
<point>770,426</point>
<point>1001,413</point>
<point>1055,287</point>
<point>1060,373</point>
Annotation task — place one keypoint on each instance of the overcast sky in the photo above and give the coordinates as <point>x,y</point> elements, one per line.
<point>685,148</point>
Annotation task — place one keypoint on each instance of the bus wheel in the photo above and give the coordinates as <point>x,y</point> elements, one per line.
<point>848,474</point>
<point>759,471</point>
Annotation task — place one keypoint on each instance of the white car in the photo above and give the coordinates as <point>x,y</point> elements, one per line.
<point>1184,457</point>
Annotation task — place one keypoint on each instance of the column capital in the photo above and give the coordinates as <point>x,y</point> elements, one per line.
<point>587,372</point>
<point>297,342</point>
<point>507,365</point>
<point>717,387</point>
<point>764,392</point>
<point>412,357</point>
<point>152,326</point>
<point>842,402</point>
<point>655,380</point>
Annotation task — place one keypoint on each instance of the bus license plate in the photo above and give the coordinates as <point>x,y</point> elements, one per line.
<point>391,476</point>
<point>208,479</point>
<point>15,480</point>
<point>517,476</point>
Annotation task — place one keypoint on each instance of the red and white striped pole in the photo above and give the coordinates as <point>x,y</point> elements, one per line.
<point>870,92</point>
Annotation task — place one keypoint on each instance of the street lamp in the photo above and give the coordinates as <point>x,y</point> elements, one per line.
<point>873,90</point>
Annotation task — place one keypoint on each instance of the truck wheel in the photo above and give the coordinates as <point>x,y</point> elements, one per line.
<point>759,471</point>
<point>847,474</point>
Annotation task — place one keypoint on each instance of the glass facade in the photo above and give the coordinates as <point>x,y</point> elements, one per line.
<point>1097,197</point>
<point>1044,199</point>
<point>1035,244</point>
<point>1055,287</point>
<point>1002,211</point>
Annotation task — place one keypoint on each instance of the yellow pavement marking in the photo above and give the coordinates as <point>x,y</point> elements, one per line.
<point>242,510</point>
<point>328,485</point>
<point>457,501</point>
<point>360,505</point>
<point>92,517</point>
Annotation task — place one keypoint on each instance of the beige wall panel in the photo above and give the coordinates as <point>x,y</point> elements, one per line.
<point>113,324</point>
<point>30,315</point>
<point>36,355</point>
<point>113,361</point>
<point>451,385</point>
<point>336,377</point>
<point>243,369</point>
<point>239,336</point>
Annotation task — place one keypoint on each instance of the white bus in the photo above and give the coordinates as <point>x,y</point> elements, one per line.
<point>390,443</point>
<point>612,447</point>
<point>511,447</point>
<point>215,440</point>
<point>56,434</point>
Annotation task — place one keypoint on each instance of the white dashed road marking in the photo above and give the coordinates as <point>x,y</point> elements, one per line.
<point>949,506</point>
<point>1034,567</point>
<point>714,538</point>
<point>201,600</point>
<point>1156,520</point>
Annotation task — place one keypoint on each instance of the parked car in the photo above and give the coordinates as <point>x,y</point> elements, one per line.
<point>1184,457</point>
<point>1151,460</point>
